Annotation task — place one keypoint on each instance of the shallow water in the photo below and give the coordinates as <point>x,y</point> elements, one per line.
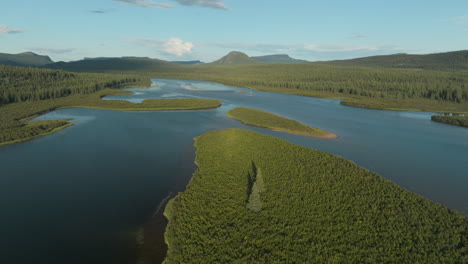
<point>78,196</point>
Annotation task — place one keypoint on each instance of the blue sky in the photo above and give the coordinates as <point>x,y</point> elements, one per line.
<point>208,29</point>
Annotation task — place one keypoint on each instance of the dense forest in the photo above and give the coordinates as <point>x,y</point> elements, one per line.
<point>452,120</point>
<point>259,199</point>
<point>446,61</point>
<point>19,84</point>
<point>411,89</point>
<point>260,118</point>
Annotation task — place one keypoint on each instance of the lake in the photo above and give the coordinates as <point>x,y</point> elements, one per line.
<point>80,195</point>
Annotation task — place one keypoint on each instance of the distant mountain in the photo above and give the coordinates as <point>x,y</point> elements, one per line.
<point>100,58</point>
<point>28,59</point>
<point>235,58</point>
<point>278,58</point>
<point>455,60</point>
<point>130,64</point>
<point>188,62</point>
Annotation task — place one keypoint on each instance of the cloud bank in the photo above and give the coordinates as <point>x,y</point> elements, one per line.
<point>172,46</point>
<point>4,29</point>
<point>217,4</point>
<point>144,3</point>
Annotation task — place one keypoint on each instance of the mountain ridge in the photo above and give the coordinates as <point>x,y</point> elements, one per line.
<point>278,58</point>
<point>25,59</point>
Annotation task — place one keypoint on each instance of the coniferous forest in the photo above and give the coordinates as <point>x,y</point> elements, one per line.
<point>20,84</point>
<point>411,89</point>
<point>259,199</point>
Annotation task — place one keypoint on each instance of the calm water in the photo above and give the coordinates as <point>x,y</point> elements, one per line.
<point>79,195</point>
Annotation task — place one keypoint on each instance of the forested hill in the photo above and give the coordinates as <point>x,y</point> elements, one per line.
<point>448,61</point>
<point>277,58</point>
<point>126,64</point>
<point>235,58</point>
<point>24,59</point>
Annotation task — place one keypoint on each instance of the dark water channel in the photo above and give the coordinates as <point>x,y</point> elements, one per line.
<point>80,195</point>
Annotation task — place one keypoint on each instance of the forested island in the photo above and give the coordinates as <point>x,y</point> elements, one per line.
<point>28,92</point>
<point>259,199</point>
<point>260,118</point>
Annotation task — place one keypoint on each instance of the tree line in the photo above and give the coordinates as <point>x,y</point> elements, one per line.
<point>335,80</point>
<point>20,84</point>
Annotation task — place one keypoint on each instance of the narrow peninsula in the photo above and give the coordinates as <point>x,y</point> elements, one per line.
<point>260,118</point>
<point>260,199</point>
<point>451,120</point>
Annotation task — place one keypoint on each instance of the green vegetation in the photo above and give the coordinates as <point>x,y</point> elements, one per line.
<point>260,118</point>
<point>18,84</point>
<point>13,117</point>
<point>447,61</point>
<point>315,208</point>
<point>435,91</point>
<point>277,58</point>
<point>452,120</point>
<point>235,58</point>
<point>26,93</point>
<point>29,59</point>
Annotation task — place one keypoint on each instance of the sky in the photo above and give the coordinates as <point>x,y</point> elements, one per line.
<point>208,29</point>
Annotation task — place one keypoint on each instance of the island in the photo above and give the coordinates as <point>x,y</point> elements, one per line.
<point>260,118</point>
<point>260,199</point>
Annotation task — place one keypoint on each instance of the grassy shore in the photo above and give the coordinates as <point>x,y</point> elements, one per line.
<point>451,120</point>
<point>260,118</point>
<point>16,128</point>
<point>259,199</point>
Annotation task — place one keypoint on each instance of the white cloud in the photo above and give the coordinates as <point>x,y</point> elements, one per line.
<point>173,46</point>
<point>177,47</point>
<point>217,4</point>
<point>338,48</point>
<point>145,3</point>
<point>4,29</point>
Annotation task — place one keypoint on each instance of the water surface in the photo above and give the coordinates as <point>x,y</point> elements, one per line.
<point>79,195</point>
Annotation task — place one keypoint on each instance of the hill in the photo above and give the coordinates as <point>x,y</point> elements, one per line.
<point>449,61</point>
<point>28,59</point>
<point>125,64</point>
<point>260,199</point>
<point>278,58</point>
<point>235,58</point>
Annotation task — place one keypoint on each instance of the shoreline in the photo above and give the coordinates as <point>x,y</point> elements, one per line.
<point>94,101</point>
<point>344,97</point>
